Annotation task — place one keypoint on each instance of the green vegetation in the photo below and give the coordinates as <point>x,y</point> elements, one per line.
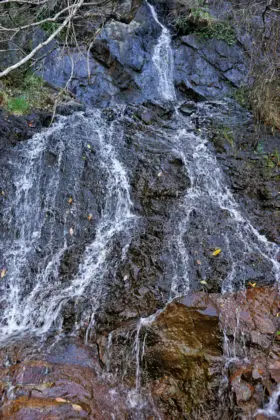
<point>201,22</point>
<point>21,94</point>
<point>272,160</point>
<point>241,95</point>
<point>223,134</point>
<point>18,105</point>
<point>219,30</point>
<point>50,27</point>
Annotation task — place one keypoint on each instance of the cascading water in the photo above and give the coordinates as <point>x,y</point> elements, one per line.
<point>43,218</point>
<point>37,308</point>
<point>208,195</point>
<point>163,61</point>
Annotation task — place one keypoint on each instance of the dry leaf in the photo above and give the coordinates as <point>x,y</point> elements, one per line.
<point>71,231</point>
<point>216,252</point>
<point>160,173</point>
<point>60,400</point>
<point>70,200</point>
<point>252,284</point>
<point>198,262</point>
<point>3,272</point>
<point>89,217</point>
<point>77,407</point>
<point>89,146</point>
<point>203,282</point>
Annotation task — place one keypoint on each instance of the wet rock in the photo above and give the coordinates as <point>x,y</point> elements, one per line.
<point>188,108</point>
<point>62,383</point>
<point>70,107</point>
<point>18,128</point>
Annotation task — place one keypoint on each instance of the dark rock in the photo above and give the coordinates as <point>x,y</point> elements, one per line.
<point>68,108</point>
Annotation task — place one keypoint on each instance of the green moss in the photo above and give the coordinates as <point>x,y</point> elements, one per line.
<point>201,22</point>
<point>18,105</point>
<point>20,95</point>
<point>219,30</point>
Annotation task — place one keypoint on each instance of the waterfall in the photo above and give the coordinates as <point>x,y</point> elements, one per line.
<point>209,195</point>
<point>163,61</point>
<point>70,192</point>
<point>37,308</point>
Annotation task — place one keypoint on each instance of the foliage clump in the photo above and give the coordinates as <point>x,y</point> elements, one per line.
<point>201,22</point>
<point>21,94</point>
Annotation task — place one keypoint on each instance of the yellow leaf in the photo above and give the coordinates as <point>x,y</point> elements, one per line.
<point>216,252</point>
<point>252,284</point>
<point>70,200</point>
<point>89,146</point>
<point>77,407</point>
<point>203,282</point>
<point>3,273</point>
<point>2,192</point>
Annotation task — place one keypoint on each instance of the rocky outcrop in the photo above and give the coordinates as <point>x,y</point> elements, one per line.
<point>207,355</point>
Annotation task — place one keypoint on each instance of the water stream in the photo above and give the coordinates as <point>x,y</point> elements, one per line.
<point>208,194</point>
<point>38,310</point>
<point>33,295</point>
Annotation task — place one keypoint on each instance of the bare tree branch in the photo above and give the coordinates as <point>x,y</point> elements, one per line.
<point>72,13</point>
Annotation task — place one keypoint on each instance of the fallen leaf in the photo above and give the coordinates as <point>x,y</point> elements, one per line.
<point>252,284</point>
<point>203,282</point>
<point>216,252</point>
<point>3,272</point>
<point>198,262</point>
<point>278,314</point>
<point>160,173</point>
<point>60,400</point>
<point>77,407</point>
<point>89,217</point>
<point>70,200</point>
<point>89,146</point>
<point>71,231</point>
<point>2,192</point>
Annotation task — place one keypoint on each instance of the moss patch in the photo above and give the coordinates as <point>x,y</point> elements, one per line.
<point>21,94</point>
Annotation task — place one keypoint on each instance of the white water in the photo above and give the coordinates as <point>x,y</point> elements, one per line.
<point>163,61</point>
<point>208,194</point>
<point>272,409</point>
<point>38,310</point>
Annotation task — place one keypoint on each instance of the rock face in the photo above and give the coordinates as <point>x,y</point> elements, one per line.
<point>183,225</point>
<point>119,67</point>
<point>205,356</point>
<point>61,383</point>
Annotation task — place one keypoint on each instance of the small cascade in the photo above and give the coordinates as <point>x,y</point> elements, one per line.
<point>272,410</point>
<point>209,195</point>
<point>163,61</point>
<point>136,399</point>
